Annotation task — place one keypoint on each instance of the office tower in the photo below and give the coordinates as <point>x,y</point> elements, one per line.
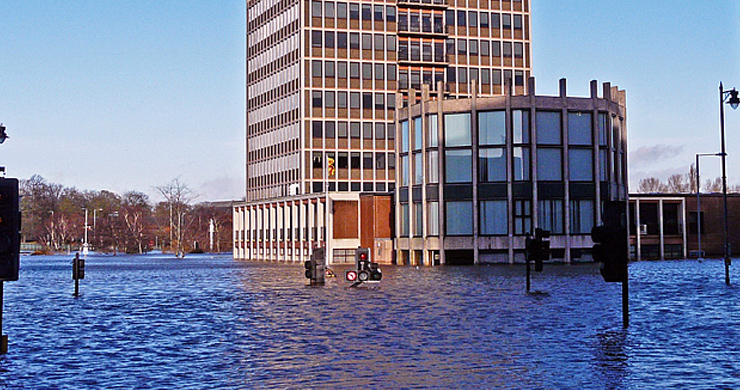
<point>322,78</point>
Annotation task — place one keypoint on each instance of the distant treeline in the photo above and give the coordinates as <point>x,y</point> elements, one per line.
<point>54,216</point>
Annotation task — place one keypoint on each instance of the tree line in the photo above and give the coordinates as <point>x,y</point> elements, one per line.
<point>56,218</point>
<point>682,184</point>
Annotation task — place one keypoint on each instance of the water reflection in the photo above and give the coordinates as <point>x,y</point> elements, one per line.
<point>211,322</point>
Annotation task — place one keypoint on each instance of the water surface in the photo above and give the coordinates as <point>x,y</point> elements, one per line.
<point>208,322</point>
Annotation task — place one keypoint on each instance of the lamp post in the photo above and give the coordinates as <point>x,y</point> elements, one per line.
<point>698,198</point>
<point>730,97</point>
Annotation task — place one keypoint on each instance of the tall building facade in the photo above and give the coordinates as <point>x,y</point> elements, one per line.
<point>322,79</point>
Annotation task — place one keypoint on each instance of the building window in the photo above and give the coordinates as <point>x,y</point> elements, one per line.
<point>380,161</point>
<point>521,163</point>
<point>549,164</point>
<point>493,217</point>
<point>520,123</point>
<point>432,135</point>
<point>316,99</point>
<point>458,166</point>
<point>522,217</point>
<point>580,165</point>
<point>550,215</point>
<point>603,137</point>
<point>367,161</point>
<point>354,100</point>
<point>579,128</point>
<point>317,131</point>
<point>492,164</point>
<point>457,130</point>
<point>404,136</point>
<point>433,166</point>
<point>316,9</point>
<point>405,171</point>
<point>418,219</point>
<point>581,216</point>
<point>548,128</point>
<point>418,131</point>
<point>316,68</point>
<point>343,160</point>
<point>492,128</point>
<point>354,11</point>
<point>433,218</point>
<point>459,218</point>
<point>316,38</point>
<point>404,217</point>
<point>418,169</point>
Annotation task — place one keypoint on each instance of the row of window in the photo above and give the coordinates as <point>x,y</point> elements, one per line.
<point>286,176</point>
<point>493,217</point>
<point>462,75</point>
<point>278,7</point>
<point>277,149</point>
<point>475,19</point>
<point>272,122</point>
<point>492,129</point>
<point>357,100</point>
<point>355,186</point>
<point>354,160</point>
<point>272,67</point>
<point>343,40</point>
<point>492,165</point>
<point>415,21</point>
<point>365,130</point>
<point>415,50</point>
<point>343,69</point>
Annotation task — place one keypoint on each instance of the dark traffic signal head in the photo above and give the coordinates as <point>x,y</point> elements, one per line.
<point>611,250</point>
<point>10,227</point>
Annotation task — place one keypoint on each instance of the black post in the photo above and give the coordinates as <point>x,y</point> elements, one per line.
<point>528,283</point>
<point>3,338</point>
<point>625,303</point>
<point>724,181</point>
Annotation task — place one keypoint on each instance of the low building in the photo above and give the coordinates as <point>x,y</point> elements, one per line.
<point>476,175</point>
<point>664,226</point>
<point>286,229</point>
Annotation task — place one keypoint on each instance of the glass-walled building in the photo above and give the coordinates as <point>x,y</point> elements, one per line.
<point>476,175</point>
<point>322,79</point>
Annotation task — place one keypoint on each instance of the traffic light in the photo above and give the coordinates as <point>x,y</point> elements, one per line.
<point>309,268</point>
<point>10,227</point>
<point>366,269</point>
<point>610,249</point>
<point>78,268</point>
<point>315,266</point>
<point>538,248</point>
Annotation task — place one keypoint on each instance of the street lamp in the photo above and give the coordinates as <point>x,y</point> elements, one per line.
<point>730,97</point>
<point>698,199</point>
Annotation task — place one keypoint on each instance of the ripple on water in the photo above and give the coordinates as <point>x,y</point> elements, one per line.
<point>214,323</point>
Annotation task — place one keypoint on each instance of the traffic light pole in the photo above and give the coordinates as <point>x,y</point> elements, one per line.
<point>3,338</point>
<point>625,303</point>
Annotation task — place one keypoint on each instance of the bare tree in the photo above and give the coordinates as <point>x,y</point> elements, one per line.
<point>136,213</point>
<point>691,178</point>
<point>651,185</point>
<point>713,185</point>
<point>677,184</point>
<point>178,196</point>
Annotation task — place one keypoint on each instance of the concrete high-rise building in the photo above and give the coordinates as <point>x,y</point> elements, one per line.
<point>322,78</point>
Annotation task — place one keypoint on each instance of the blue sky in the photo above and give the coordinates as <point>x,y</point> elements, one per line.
<point>127,95</point>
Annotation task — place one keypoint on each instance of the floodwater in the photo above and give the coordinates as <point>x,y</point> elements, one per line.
<point>203,322</point>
